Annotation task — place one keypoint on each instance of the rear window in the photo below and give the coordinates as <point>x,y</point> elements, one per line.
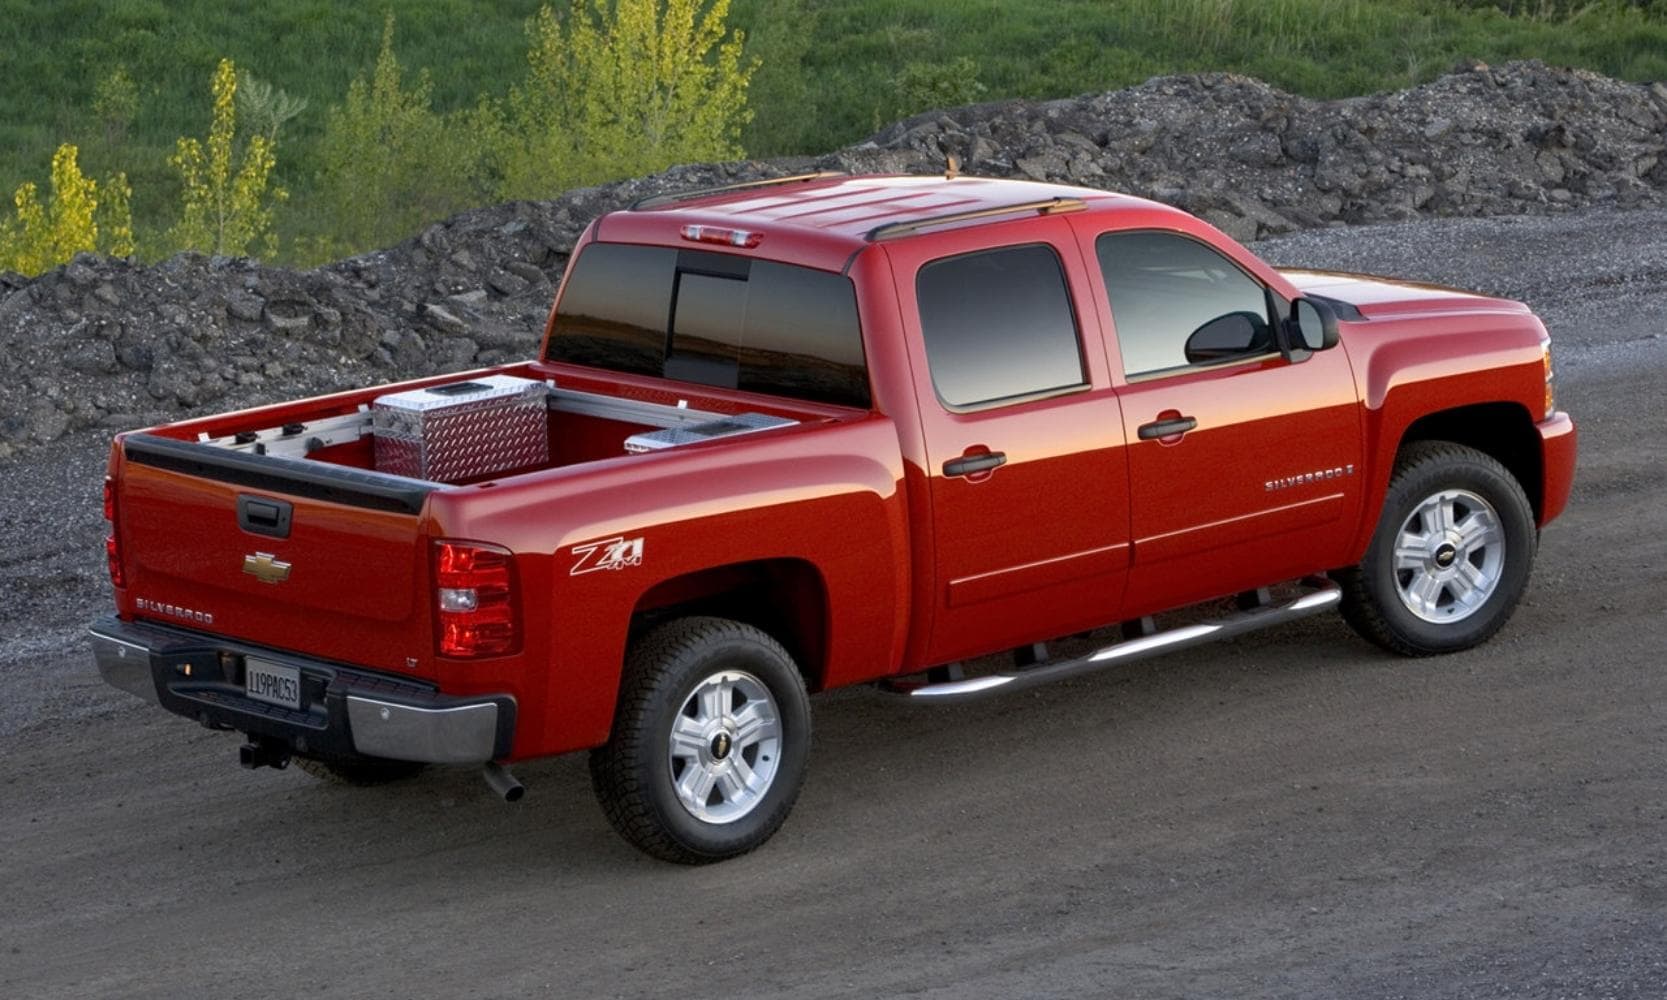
<point>713,319</point>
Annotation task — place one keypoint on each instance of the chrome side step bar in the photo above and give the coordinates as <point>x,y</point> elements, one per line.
<point>1322,595</point>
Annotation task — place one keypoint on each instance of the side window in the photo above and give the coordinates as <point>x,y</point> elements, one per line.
<point>1177,302</point>
<point>998,324</point>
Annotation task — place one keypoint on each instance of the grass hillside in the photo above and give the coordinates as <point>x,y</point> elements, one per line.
<point>833,70</point>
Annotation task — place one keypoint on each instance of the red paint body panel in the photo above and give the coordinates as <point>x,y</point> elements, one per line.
<point>892,566</point>
<point>1558,442</point>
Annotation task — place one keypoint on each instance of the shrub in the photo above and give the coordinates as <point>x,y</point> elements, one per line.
<point>43,236</point>
<point>622,88</point>
<point>924,86</point>
<point>116,104</point>
<point>266,108</point>
<point>226,209</point>
<point>389,162</point>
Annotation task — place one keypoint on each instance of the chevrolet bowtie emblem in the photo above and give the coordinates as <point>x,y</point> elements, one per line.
<point>266,568</point>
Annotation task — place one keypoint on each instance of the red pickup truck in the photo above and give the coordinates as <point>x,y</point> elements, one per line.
<point>821,431</point>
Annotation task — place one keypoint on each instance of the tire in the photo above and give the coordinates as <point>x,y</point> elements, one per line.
<point>359,773</point>
<point>709,742</point>
<point>1450,557</point>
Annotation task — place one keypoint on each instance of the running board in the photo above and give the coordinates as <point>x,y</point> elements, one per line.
<point>1322,595</point>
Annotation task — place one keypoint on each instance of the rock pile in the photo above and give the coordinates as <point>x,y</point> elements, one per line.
<point>107,343</point>
<point>1482,140</point>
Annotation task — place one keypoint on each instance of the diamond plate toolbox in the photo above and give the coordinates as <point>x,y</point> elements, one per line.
<point>461,431</point>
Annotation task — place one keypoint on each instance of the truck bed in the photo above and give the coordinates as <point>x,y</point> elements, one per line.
<point>195,504</point>
<point>587,422</point>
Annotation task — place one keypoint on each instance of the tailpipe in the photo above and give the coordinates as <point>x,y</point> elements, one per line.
<point>501,781</point>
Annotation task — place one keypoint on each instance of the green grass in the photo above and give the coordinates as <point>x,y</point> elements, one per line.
<point>831,66</point>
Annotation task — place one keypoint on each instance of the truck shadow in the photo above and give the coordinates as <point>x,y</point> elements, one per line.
<point>877,759</point>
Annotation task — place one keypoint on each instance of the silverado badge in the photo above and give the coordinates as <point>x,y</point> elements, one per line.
<point>265,567</point>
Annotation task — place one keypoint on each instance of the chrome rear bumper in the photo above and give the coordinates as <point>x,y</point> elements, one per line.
<point>345,711</point>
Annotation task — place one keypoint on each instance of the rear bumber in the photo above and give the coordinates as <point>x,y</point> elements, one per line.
<point>343,713</point>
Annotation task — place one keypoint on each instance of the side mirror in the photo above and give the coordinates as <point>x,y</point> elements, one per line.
<point>1313,325</point>
<point>1228,336</point>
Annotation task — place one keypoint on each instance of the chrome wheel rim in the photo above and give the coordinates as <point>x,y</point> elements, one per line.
<point>1449,556</point>
<point>725,747</point>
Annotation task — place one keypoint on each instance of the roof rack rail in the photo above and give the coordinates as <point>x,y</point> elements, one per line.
<point>1050,206</point>
<point>653,201</point>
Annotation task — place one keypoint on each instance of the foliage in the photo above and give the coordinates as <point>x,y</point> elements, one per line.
<point>622,88</point>
<point>778,40</point>
<point>115,211</point>
<point>922,86</point>
<point>266,108</point>
<point>116,103</point>
<point>390,163</point>
<point>227,205</point>
<point>44,236</point>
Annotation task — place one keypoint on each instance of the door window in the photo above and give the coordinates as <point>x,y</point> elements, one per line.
<point>1177,303</point>
<point>998,326</point>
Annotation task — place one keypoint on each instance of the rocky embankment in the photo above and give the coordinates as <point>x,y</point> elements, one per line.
<point>107,343</point>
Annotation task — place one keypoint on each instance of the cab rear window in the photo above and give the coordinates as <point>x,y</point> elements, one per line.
<point>713,319</point>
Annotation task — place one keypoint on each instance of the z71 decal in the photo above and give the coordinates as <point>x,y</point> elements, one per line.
<point>609,553</point>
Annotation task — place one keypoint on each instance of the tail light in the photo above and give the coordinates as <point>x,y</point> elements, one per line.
<point>112,547</point>
<point>474,598</point>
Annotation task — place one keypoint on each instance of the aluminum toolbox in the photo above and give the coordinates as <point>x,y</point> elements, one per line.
<point>706,430</point>
<point>462,431</point>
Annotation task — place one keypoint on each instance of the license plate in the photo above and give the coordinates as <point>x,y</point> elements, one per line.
<point>272,683</point>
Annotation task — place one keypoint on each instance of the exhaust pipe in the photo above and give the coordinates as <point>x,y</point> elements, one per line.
<point>501,781</point>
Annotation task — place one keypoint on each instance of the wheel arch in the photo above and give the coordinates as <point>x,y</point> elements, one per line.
<point>786,598</point>
<point>1502,430</point>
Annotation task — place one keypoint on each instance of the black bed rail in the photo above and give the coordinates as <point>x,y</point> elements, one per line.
<point>275,473</point>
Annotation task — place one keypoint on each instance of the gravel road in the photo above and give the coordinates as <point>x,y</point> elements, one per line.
<point>1292,814</point>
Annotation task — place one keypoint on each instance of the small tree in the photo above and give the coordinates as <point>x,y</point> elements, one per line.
<point>116,103</point>
<point>43,236</point>
<point>266,108</point>
<point>390,163</point>
<point>621,88</point>
<point>226,206</point>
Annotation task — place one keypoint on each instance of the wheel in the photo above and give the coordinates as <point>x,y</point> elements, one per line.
<point>1450,557</point>
<point>709,742</point>
<point>361,773</point>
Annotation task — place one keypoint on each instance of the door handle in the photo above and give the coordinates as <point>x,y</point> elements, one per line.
<point>971,465</point>
<point>1166,428</point>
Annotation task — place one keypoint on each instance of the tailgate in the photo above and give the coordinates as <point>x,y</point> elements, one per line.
<point>319,560</point>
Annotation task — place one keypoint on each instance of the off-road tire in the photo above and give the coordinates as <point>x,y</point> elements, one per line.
<point>632,775</point>
<point>1372,601</point>
<point>359,773</point>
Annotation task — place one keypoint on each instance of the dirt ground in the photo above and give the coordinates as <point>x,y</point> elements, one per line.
<point>1292,814</point>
